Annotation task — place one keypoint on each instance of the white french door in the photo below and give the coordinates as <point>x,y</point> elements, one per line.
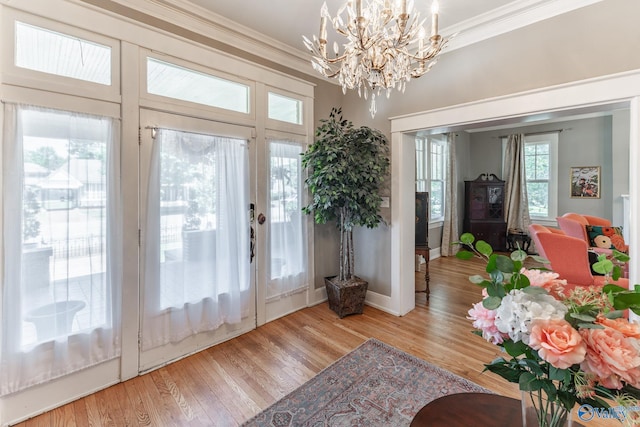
<point>286,272</point>
<point>197,284</point>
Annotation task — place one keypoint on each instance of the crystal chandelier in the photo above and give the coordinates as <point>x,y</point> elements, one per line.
<point>386,46</point>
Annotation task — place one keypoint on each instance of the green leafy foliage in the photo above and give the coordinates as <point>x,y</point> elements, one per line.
<point>347,169</point>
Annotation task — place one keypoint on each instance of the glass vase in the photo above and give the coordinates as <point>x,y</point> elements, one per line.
<point>539,411</point>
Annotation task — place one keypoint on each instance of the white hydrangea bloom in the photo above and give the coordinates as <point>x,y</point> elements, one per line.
<point>518,309</point>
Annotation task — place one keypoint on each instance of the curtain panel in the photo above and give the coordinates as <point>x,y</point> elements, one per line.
<point>450,231</point>
<point>516,200</point>
<point>61,229</point>
<point>196,245</point>
<point>287,227</point>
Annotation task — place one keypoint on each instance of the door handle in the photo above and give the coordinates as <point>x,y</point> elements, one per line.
<point>261,219</point>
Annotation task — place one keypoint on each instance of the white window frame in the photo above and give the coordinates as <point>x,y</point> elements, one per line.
<point>194,108</point>
<point>288,127</point>
<point>25,77</point>
<point>552,197</point>
<point>425,167</point>
<point>552,139</point>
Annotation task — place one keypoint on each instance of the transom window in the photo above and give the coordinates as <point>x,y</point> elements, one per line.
<point>174,81</point>
<point>47,51</point>
<point>284,108</point>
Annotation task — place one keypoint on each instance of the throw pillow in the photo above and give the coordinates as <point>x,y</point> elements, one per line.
<point>606,237</point>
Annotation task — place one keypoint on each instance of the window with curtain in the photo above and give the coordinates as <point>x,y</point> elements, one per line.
<point>540,166</point>
<point>61,231</point>
<point>287,231</point>
<point>431,158</point>
<point>196,273</point>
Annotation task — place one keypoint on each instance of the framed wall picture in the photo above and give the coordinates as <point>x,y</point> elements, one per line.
<point>585,182</point>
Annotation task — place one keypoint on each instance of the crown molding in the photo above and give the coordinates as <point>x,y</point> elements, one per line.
<point>217,27</point>
<point>517,14</point>
<point>183,13</point>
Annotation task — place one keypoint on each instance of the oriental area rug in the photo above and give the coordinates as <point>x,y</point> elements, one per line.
<point>374,385</point>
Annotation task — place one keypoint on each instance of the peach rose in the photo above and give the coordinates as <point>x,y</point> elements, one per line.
<point>612,357</point>
<point>557,342</point>
<point>547,280</point>
<point>621,325</point>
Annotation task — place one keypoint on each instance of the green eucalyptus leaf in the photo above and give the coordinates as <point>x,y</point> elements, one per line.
<point>534,290</point>
<point>504,264</point>
<point>484,248</point>
<point>496,276</point>
<point>464,254</point>
<point>602,266</point>
<point>520,281</point>
<point>540,259</point>
<point>476,279</point>
<point>491,303</point>
<point>583,317</point>
<point>620,256</point>
<point>519,255</point>
<point>615,314</point>
<point>467,239</point>
<point>495,289</point>
<point>589,326</point>
<point>617,272</point>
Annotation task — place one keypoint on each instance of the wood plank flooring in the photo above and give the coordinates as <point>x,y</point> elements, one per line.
<point>227,384</point>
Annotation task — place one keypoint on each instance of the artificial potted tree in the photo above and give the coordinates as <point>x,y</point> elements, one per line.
<point>347,168</point>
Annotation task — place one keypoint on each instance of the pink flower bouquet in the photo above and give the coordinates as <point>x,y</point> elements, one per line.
<point>571,343</point>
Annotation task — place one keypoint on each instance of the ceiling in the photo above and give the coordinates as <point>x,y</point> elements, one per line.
<point>284,22</point>
<point>287,20</point>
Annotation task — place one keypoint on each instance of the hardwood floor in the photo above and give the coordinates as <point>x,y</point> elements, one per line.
<point>229,383</point>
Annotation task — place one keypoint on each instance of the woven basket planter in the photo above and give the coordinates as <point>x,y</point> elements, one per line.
<point>346,297</point>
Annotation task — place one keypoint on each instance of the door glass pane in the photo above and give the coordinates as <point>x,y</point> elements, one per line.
<point>187,218</point>
<point>64,225</point>
<point>50,52</point>
<point>196,274</point>
<point>287,269</point>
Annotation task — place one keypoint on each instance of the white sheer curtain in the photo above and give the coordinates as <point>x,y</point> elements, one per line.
<point>287,231</point>
<point>516,201</point>
<point>62,273</point>
<point>450,226</point>
<point>196,236</point>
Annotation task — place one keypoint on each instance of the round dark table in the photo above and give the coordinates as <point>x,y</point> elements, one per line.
<point>471,409</point>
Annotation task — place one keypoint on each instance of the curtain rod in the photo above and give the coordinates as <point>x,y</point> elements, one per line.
<point>536,133</point>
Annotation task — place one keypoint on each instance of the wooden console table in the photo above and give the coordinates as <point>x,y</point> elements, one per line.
<point>424,251</point>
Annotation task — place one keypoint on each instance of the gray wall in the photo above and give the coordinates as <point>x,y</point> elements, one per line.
<point>585,142</point>
<point>597,40</point>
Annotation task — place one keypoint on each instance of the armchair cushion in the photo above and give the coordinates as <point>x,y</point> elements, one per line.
<point>606,237</point>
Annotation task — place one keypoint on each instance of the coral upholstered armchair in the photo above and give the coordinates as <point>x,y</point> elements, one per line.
<point>574,224</point>
<point>597,232</point>
<point>568,256</point>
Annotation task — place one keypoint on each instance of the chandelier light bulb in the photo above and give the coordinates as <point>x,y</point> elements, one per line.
<point>384,47</point>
